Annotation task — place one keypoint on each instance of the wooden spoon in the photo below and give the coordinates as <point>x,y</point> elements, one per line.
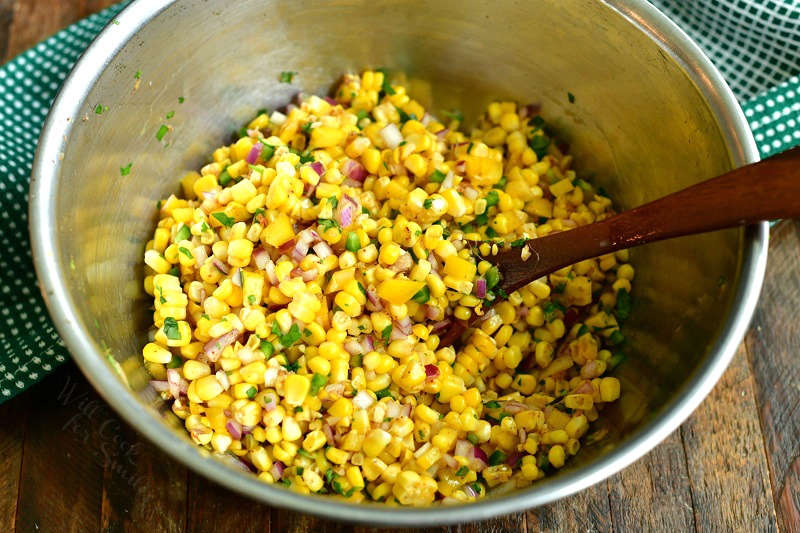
<point>766,190</point>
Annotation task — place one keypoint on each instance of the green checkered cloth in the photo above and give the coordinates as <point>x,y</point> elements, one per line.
<point>754,44</point>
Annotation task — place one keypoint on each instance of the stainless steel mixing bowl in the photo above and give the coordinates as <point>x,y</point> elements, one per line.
<point>650,115</point>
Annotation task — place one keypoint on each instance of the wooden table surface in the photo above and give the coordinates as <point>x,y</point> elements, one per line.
<point>68,463</point>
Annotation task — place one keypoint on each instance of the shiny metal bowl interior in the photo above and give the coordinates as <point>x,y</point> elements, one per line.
<point>650,116</point>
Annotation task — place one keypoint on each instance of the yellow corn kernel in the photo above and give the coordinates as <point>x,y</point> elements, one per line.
<point>609,389</point>
<point>297,387</point>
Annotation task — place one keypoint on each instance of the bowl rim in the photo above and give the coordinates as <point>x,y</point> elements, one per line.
<point>88,354</point>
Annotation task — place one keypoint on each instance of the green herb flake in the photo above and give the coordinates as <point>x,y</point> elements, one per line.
<point>497,458</point>
<point>422,296</point>
<point>623,306</point>
<point>185,251</point>
<point>386,87</point>
<point>267,348</point>
<point>306,332</point>
<point>326,223</point>
<point>286,76</point>
<point>251,392</point>
<point>473,438</point>
<point>383,393</point>
<point>437,176</point>
<point>463,471</point>
<point>492,277</point>
<point>492,404</point>
<point>616,360</point>
<point>124,171</point>
<point>306,158</point>
<point>361,115</point>
<point>539,144</point>
<point>138,75</point>
<point>175,362</point>
<point>181,99</point>
<point>267,151</point>
<point>583,330</point>
<point>225,178</point>
<point>616,338</point>
<point>519,243</point>
<point>571,97</point>
<point>298,409</point>
<point>224,219</point>
<point>291,337</point>
<point>170,114</point>
<point>174,272</point>
<point>492,199</point>
<point>171,329</point>
<point>161,132</point>
<point>386,333</point>
<point>251,299</point>
<point>303,452</point>
<point>317,382</point>
<point>204,227</point>
<point>428,203</point>
<point>469,147</point>
<point>307,127</point>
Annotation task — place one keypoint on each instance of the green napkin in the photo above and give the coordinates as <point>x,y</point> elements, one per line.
<point>31,347</point>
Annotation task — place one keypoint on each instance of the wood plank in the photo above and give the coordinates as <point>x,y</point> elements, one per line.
<point>6,16</point>
<point>214,508</point>
<point>773,342</point>
<point>62,466</point>
<point>13,415</point>
<point>589,510</point>
<point>653,494</point>
<point>143,488</point>
<point>512,523</point>
<point>726,459</point>
<point>33,20</point>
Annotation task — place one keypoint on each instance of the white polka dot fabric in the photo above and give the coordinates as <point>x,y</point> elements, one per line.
<point>30,347</point>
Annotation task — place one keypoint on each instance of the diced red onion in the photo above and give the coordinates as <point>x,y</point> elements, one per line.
<point>441,134</point>
<point>326,429</point>
<point>406,410</point>
<point>309,275</point>
<point>432,312</point>
<point>209,195</point>
<point>480,454</point>
<point>513,459</point>
<point>346,211</point>
<point>200,255</point>
<point>403,263</point>
<point>330,100</point>
<point>255,153</point>
<point>463,449</point>
<point>355,171</point>
<point>222,267</point>
<point>363,400</point>
<point>270,403</point>
<point>480,288</point>
<point>236,277</point>
<point>159,385</point>
<point>222,377</point>
<point>234,428</point>
<point>515,407</point>
<point>300,251</point>
<point>393,409</point>
<point>431,372</point>
<point>177,385</point>
<point>461,166</point>
<point>287,247</point>
<point>391,135</point>
<point>277,470</point>
<point>353,347</point>
<point>571,317</point>
<point>367,344</point>
<point>434,262</point>
<point>397,335</point>
<point>440,325</point>
<point>447,182</point>
<point>261,256</point>
<point>318,168</point>
<point>323,250</point>
<point>469,491</point>
<point>470,193</point>
<point>247,356</point>
<point>585,387</point>
<point>427,118</point>
<point>404,325</point>
<point>213,348</point>
<point>523,311</point>
<point>335,389</point>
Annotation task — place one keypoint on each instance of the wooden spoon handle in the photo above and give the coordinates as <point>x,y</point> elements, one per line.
<point>766,190</point>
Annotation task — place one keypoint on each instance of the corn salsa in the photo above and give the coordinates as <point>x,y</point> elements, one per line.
<point>302,278</point>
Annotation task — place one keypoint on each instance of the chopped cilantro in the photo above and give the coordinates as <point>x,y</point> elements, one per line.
<point>175,362</point>
<point>469,147</point>
<point>317,382</point>
<point>251,299</point>
<point>251,392</point>
<point>174,272</point>
<point>290,338</point>
<point>386,87</point>
<point>482,219</point>
<point>326,223</point>
<point>361,115</point>
<point>224,178</point>
<point>492,199</point>
<point>161,132</point>
<point>560,288</point>
<point>224,219</point>
<point>497,458</point>
<point>267,151</point>
<point>285,482</point>
<point>519,243</point>
<point>437,176</point>
<point>616,360</point>
<point>383,393</point>
<point>183,233</point>
<point>307,127</point>
<point>171,329</point>
<point>306,157</point>
<point>138,75</point>
<point>170,114</point>
<point>286,76</point>
<point>550,309</point>
<point>185,251</point>
<point>306,332</point>
<point>616,338</point>
<point>623,307</point>
<point>98,109</point>
<point>364,210</point>
<point>267,348</point>
<point>463,471</point>
<point>304,452</point>
<point>537,122</point>
<point>428,203</point>
<point>181,99</point>
<point>124,171</point>
<point>386,333</point>
<point>539,144</point>
<point>473,438</point>
<point>501,183</point>
<point>571,97</point>
<point>204,227</point>
<point>583,330</point>
<point>492,404</point>
<point>422,296</point>
<point>491,233</point>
